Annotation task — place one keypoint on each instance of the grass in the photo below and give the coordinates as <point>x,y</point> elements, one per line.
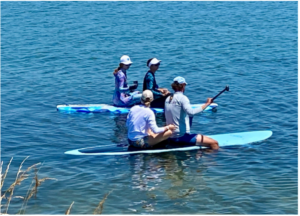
<point>21,175</point>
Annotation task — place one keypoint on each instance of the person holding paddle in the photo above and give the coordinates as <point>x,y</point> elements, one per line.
<point>124,95</point>
<point>160,94</point>
<point>177,112</point>
<point>142,129</point>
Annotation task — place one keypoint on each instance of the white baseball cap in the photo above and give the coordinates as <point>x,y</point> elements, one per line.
<point>147,94</point>
<point>180,80</point>
<point>154,61</point>
<point>125,60</point>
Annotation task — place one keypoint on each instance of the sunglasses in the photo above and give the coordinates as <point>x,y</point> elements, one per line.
<point>157,64</point>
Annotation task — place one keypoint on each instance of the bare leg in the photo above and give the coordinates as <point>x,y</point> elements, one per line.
<point>207,142</point>
<point>157,138</point>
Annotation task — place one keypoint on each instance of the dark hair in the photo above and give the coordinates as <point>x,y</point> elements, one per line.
<point>118,68</point>
<point>176,87</point>
<point>149,60</point>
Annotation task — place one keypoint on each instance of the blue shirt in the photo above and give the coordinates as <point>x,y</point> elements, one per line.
<point>150,83</point>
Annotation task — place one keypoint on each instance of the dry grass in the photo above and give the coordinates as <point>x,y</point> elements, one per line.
<point>20,177</point>
<point>3,178</point>
<point>99,208</point>
<point>33,188</point>
<point>69,209</point>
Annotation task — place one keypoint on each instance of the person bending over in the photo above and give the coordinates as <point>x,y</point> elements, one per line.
<point>142,129</point>
<point>177,112</point>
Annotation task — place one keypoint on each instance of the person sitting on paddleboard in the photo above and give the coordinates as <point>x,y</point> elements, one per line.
<point>177,112</point>
<point>124,95</point>
<point>160,94</point>
<point>142,129</point>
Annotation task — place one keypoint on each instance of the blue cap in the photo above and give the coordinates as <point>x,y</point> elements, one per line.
<point>180,80</point>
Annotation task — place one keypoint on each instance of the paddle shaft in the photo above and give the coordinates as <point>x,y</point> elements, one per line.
<point>225,89</point>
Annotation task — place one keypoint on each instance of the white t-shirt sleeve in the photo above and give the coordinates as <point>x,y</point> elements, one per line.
<point>152,123</point>
<point>187,107</point>
<point>127,121</point>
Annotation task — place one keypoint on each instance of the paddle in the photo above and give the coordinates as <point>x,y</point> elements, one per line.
<point>225,89</point>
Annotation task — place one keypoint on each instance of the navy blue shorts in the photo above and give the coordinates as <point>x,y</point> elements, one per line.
<point>190,139</point>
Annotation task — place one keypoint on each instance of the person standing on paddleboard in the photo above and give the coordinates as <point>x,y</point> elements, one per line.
<point>142,129</point>
<point>177,112</point>
<point>160,94</point>
<point>124,95</point>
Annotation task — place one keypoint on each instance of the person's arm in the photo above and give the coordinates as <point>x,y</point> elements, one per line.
<point>150,85</point>
<point>189,110</point>
<point>122,79</point>
<point>128,117</point>
<point>152,124</point>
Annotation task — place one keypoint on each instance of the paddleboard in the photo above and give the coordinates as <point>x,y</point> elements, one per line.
<point>231,139</point>
<point>88,108</point>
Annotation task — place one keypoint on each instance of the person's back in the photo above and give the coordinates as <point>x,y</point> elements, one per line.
<point>177,112</point>
<point>137,125</point>
<point>142,129</point>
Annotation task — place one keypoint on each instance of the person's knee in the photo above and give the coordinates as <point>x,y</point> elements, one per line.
<point>215,145</point>
<point>168,133</point>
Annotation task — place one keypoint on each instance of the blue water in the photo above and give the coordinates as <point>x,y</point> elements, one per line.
<point>65,52</point>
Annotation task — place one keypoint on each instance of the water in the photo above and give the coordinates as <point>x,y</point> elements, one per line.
<point>65,52</point>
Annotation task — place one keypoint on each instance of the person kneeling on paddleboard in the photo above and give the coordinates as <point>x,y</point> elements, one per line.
<point>160,94</point>
<point>124,95</point>
<point>177,112</point>
<point>142,129</point>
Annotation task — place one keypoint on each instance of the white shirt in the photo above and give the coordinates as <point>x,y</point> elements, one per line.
<point>139,120</point>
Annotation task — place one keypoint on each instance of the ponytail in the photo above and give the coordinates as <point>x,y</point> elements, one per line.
<point>146,102</point>
<point>117,69</point>
<point>171,97</point>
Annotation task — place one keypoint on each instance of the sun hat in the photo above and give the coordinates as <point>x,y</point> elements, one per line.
<point>180,80</point>
<point>153,61</point>
<point>125,60</point>
<point>147,96</point>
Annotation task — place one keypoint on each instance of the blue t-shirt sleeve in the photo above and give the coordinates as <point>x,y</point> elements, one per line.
<point>150,85</point>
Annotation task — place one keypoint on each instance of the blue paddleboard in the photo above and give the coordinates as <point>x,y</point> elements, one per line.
<point>88,108</point>
<point>231,139</point>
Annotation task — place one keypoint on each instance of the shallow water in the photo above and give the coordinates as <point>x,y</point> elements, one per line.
<point>65,52</point>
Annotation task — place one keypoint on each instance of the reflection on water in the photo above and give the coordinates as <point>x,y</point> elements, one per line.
<point>167,178</point>
<point>120,130</point>
<point>148,170</point>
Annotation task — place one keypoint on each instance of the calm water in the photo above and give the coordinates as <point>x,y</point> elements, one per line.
<point>65,52</point>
